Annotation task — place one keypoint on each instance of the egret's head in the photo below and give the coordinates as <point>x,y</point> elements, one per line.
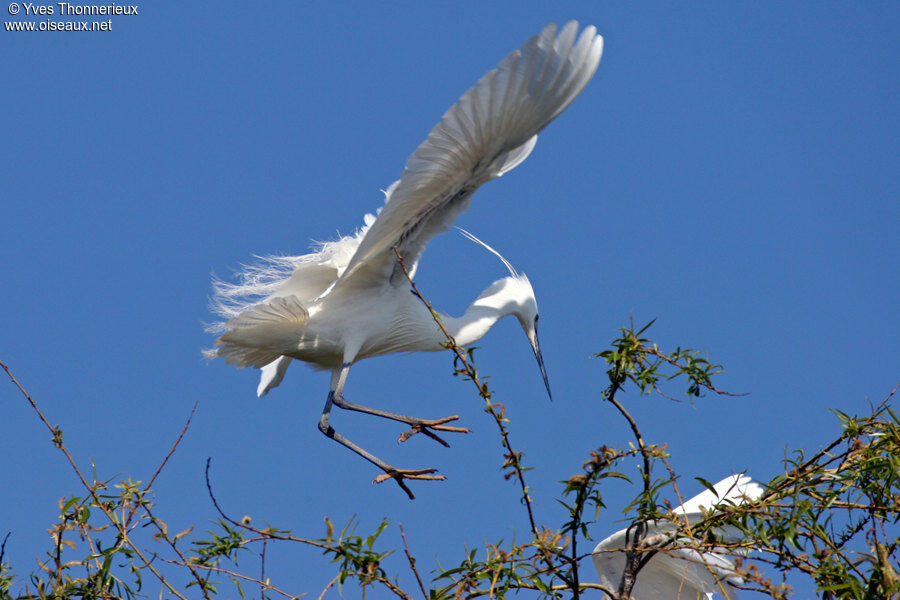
<point>514,295</point>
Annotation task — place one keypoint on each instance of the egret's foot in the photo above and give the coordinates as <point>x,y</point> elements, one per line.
<point>425,425</point>
<point>399,475</point>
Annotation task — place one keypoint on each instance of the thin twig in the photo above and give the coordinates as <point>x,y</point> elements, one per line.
<point>163,463</point>
<point>611,398</point>
<point>386,583</point>
<point>171,542</point>
<point>412,562</point>
<point>264,534</point>
<point>634,561</point>
<point>159,575</point>
<point>512,457</point>
<point>3,546</point>
<point>330,583</point>
<point>174,446</point>
<point>555,588</point>
<point>235,574</point>
<point>262,571</point>
<point>58,557</point>
<point>57,433</point>
<point>662,356</point>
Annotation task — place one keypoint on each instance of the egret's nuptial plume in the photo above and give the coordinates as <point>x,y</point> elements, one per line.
<point>350,299</point>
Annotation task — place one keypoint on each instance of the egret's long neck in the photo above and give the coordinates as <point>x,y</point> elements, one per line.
<point>473,325</point>
<point>478,318</point>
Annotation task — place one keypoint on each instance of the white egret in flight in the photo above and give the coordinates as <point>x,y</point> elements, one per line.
<point>680,573</point>
<point>351,300</point>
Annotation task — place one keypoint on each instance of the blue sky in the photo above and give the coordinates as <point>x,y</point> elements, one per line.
<point>731,170</point>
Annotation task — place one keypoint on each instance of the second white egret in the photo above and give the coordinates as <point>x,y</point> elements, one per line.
<point>680,572</point>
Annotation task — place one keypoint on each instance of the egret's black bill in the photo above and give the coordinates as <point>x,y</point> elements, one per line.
<point>536,346</point>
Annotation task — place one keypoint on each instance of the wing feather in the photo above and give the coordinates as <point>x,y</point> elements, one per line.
<point>490,130</point>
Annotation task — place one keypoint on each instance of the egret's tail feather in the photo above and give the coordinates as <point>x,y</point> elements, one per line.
<point>279,311</point>
<point>263,333</point>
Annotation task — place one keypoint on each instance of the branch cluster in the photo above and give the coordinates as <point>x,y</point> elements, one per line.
<point>831,516</point>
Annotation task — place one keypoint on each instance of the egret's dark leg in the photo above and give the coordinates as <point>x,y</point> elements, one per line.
<point>418,425</point>
<point>391,472</point>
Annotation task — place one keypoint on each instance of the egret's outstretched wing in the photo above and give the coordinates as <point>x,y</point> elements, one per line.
<point>491,129</point>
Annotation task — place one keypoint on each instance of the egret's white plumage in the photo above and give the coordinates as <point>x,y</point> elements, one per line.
<point>680,573</point>
<point>349,299</point>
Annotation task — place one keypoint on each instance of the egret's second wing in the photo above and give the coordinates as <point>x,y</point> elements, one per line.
<point>490,130</point>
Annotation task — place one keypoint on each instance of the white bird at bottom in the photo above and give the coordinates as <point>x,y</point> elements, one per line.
<point>681,573</point>
<point>351,299</point>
